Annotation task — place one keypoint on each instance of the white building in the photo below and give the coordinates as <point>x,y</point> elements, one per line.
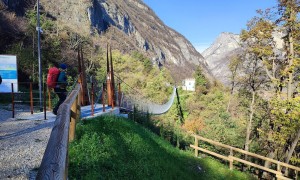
<point>188,84</point>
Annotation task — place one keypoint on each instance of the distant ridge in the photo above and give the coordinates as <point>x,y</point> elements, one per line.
<point>217,56</point>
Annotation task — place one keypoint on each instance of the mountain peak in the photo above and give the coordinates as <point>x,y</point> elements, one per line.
<point>216,56</point>
<point>226,41</point>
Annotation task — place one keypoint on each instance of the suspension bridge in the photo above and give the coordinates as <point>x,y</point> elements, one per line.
<point>111,93</point>
<point>96,98</point>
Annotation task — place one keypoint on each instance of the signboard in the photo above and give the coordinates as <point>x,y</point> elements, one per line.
<point>8,72</point>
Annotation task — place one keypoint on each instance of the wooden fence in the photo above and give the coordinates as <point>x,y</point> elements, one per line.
<point>54,164</point>
<point>231,158</point>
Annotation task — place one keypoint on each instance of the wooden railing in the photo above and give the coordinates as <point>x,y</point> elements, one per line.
<point>231,158</point>
<point>54,164</point>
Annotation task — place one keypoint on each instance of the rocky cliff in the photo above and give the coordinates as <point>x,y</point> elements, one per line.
<point>129,25</point>
<point>217,56</point>
<point>147,33</point>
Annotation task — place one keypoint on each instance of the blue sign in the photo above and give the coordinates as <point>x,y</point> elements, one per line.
<point>8,72</point>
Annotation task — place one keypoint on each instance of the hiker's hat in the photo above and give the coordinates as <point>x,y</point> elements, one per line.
<point>63,66</point>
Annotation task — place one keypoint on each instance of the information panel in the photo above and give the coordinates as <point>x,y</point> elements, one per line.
<point>9,73</point>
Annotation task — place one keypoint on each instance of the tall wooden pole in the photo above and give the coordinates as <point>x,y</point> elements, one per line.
<point>107,59</point>
<point>119,94</point>
<point>84,86</point>
<point>79,61</point>
<point>108,79</point>
<point>112,79</point>
<point>81,69</point>
<point>80,74</point>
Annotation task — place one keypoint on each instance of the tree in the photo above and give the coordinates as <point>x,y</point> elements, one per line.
<point>201,82</point>
<point>257,47</point>
<point>281,70</point>
<point>234,66</point>
<point>289,11</point>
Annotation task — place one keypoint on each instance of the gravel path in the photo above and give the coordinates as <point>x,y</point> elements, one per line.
<point>22,143</point>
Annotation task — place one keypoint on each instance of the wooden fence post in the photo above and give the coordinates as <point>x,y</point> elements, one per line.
<point>73,117</point>
<point>278,168</point>
<point>230,159</point>
<point>196,145</point>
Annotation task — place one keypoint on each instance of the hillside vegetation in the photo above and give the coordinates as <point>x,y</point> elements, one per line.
<point>259,112</point>
<point>117,148</point>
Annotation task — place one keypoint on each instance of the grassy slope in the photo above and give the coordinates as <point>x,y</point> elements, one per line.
<point>117,148</point>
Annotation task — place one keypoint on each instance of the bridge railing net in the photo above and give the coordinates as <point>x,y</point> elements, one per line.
<point>133,99</point>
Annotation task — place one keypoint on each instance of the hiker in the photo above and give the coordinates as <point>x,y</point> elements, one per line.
<point>60,88</point>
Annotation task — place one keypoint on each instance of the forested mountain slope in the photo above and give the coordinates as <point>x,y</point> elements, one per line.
<point>128,25</point>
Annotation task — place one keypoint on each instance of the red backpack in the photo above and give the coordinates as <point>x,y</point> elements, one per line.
<point>52,77</point>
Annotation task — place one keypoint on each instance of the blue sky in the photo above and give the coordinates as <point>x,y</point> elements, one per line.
<point>201,21</point>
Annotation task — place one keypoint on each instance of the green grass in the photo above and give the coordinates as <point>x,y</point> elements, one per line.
<point>116,148</point>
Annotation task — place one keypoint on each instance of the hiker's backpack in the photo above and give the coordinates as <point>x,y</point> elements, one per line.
<point>52,77</point>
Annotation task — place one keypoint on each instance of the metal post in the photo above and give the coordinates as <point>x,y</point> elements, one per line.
<point>179,107</point>
<point>38,28</point>
<point>13,100</point>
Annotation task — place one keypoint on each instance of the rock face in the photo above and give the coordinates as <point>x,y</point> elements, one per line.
<point>139,22</point>
<point>128,25</point>
<point>147,33</point>
<point>217,56</point>
<point>13,5</point>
